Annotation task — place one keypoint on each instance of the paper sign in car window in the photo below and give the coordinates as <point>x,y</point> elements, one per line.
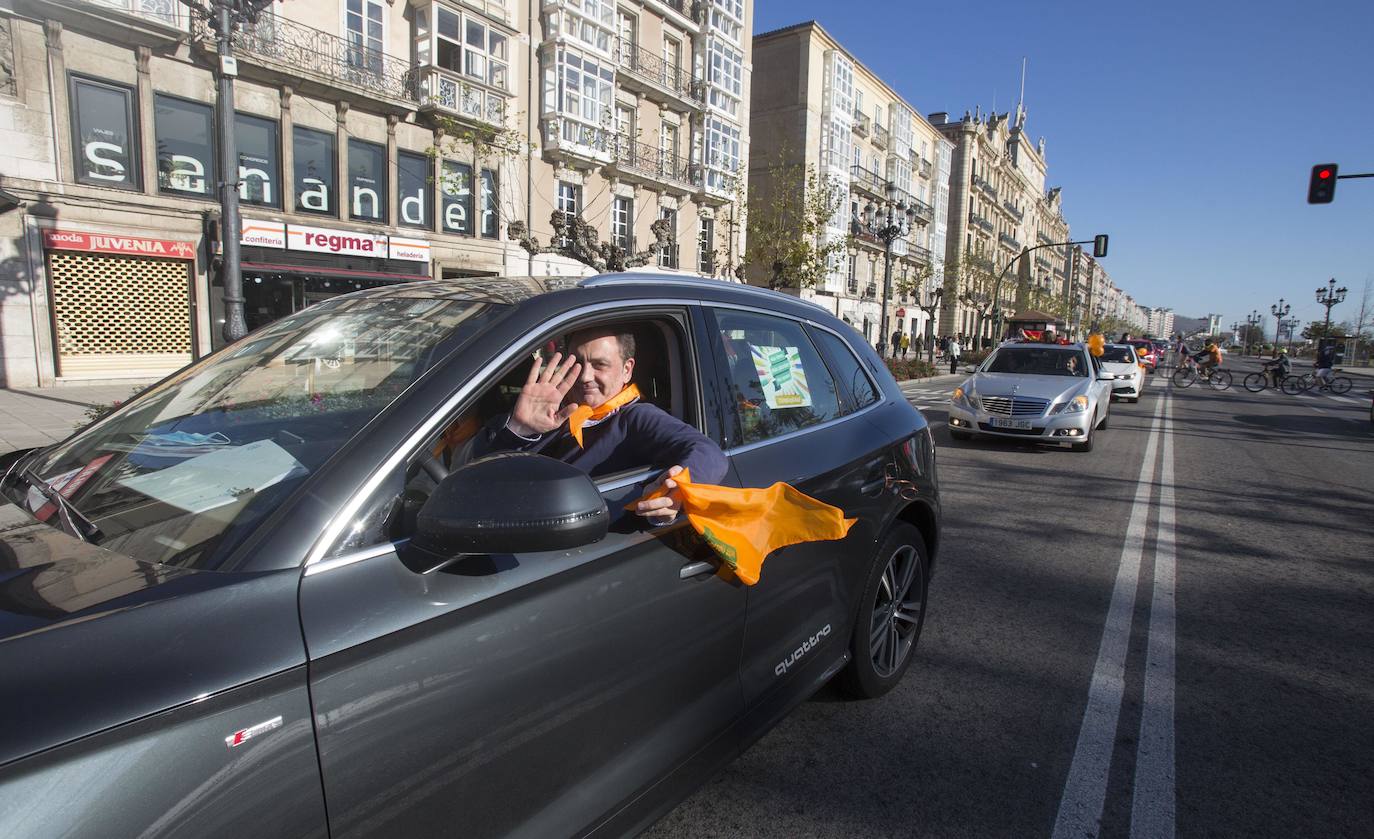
<point>781,376</point>
<point>218,478</point>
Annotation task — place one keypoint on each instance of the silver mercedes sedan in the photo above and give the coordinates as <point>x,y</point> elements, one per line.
<point>1042,393</point>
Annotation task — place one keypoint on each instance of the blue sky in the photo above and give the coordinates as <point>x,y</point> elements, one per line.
<point>1184,130</point>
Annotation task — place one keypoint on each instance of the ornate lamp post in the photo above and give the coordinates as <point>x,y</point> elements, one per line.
<point>1328,297</point>
<point>1251,322</point>
<point>928,301</point>
<point>1280,311</point>
<point>887,221</point>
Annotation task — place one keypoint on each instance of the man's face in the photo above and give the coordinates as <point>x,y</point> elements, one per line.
<point>604,372</point>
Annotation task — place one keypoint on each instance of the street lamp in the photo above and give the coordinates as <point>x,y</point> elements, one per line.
<point>1252,321</point>
<point>928,301</point>
<point>1280,311</point>
<point>1328,297</point>
<point>887,221</point>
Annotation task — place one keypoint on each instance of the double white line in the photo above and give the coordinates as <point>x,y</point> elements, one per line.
<point>1153,802</point>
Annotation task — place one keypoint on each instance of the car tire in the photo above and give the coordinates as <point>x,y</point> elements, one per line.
<point>960,435</point>
<point>887,628</point>
<point>1103,422</point>
<point>1085,446</point>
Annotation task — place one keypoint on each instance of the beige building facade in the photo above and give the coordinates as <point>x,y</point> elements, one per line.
<point>820,107</point>
<point>378,142</point>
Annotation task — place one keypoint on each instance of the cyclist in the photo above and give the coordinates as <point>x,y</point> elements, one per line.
<point>1326,359</point>
<point>1208,360</point>
<point>1277,368</point>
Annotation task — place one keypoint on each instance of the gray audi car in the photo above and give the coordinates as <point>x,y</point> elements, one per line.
<point>280,594</point>
<point>1040,393</point>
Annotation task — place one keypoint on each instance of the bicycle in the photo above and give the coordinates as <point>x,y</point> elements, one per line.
<point>1189,372</point>
<point>1255,382</point>
<point>1293,385</point>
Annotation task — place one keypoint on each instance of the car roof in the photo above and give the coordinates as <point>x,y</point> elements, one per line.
<point>628,285</point>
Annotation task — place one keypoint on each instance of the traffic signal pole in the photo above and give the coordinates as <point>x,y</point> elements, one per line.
<point>1099,243</point>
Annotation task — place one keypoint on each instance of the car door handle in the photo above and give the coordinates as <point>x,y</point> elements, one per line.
<point>695,569</point>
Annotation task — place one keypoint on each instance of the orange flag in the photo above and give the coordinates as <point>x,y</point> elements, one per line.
<point>743,526</point>
<point>582,413</point>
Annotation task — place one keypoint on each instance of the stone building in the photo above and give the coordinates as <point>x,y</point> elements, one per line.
<point>377,142</point>
<point>820,107</point>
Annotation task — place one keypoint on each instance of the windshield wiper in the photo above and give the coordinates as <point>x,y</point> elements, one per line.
<point>72,520</point>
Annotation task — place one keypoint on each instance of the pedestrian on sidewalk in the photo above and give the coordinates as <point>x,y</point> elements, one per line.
<point>896,344</point>
<point>906,343</point>
<point>954,350</point>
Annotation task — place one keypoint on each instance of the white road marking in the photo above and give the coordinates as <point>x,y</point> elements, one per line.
<point>1080,807</point>
<point>1154,801</point>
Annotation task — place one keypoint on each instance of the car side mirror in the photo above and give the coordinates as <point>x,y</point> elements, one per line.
<point>1106,377</point>
<point>512,502</point>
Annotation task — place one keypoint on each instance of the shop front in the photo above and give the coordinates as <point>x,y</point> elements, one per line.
<point>287,267</point>
<point>120,305</point>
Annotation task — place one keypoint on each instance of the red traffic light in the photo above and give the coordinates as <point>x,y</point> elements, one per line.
<point>1321,188</point>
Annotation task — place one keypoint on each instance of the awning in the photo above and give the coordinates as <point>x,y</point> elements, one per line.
<point>276,268</point>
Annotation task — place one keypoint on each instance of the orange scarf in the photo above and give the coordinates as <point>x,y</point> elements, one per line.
<point>583,414</point>
<point>743,526</point>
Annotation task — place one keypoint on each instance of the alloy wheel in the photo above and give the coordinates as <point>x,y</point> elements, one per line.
<point>896,615</point>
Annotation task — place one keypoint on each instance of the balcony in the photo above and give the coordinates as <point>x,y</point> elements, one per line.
<point>881,136</point>
<point>1009,241</point>
<point>925,169</point>
<point>1044,263</point>
<point>714,184</point>
<point>866,180</point>
<point>986,187</point>
<point>448,93</point>
<point>924,212</point>
<point>862,123</point>
<point>1011,208</point>
<point>871,291</point>
<point>649,73</point>
<point>980,222</point>
<point>1043,239</point>
<point>920,254</point>
<point>147,22</point>
<point>275,49</point>
<point>649,164</point>
<point>575,141</point>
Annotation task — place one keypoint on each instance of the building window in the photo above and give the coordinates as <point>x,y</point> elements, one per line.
<point>455,183</point>
<point>592,22</point>
<point>667,257</point>
<point>367,181</point>
<point>725,73</point>
<point>472,48</point>
<point>569,204</point>
<point>581,88</point>
<point>185,146</point>
<point>413,197</point>
<point>721,153</point>
<point>314,160</point>
<point>723,24</point>
<point>625,121</point>
<point>103,134</point>
<point>622,224</point>
<point>259,160</point>
<point>706,247</point>
<point>491,218</point>
<point>364,25</point>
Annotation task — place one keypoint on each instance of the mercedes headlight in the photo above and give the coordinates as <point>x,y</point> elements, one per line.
<point>1076,405</point>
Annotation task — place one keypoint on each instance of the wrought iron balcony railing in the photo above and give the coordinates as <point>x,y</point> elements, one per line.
<point>653,162</point>
<point>980,222</point>
<point>300,50</point>
<point>652,68</point>
<point>1011,208</point>
<point>987,188</point>
<point>880,136</point>
<point>920,254</point>
<point>1009,241</point>
<point>868,180</point>
<point>923,210</point>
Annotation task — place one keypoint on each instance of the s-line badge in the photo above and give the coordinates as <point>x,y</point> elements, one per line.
<point>243,735</point>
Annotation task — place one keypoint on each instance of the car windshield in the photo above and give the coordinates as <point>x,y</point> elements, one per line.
<point>1037,361</point>
<point>1117,355</point>
<point>181,474</point>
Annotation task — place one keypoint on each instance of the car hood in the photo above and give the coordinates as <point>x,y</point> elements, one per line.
<point>1052,388</point>
<point>91,639</point>
<point>1120,367</point>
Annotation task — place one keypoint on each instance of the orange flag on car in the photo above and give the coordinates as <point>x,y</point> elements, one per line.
<point>743,526</point>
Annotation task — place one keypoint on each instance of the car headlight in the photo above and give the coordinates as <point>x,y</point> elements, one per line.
<point>1076,405</point>
<point>960,397</point>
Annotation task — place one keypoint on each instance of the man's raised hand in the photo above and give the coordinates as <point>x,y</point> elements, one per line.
<point>539,408</point>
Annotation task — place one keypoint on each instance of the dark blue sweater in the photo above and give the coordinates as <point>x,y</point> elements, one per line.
<point>637,435</point>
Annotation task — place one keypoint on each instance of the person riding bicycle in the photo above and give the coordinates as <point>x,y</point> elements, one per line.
<point>1209,359</point>
<point>1326,359</point>
<point>1277,368</point>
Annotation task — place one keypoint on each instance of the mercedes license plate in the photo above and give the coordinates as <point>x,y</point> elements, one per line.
<point>1003,422</point>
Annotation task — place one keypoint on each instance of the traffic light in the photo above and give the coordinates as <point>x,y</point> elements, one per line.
<point>1321,189</point>
<point>1099,246</point>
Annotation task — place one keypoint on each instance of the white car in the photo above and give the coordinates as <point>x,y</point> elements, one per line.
<point>1128,374</point>
<point>1038,393</point>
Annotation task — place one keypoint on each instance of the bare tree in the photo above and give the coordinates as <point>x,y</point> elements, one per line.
<point>787,223</point>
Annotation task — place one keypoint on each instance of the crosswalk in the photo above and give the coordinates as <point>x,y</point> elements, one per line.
<point>931,393</point>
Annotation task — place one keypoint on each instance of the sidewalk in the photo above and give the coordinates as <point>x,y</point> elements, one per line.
<point>40,416</point>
